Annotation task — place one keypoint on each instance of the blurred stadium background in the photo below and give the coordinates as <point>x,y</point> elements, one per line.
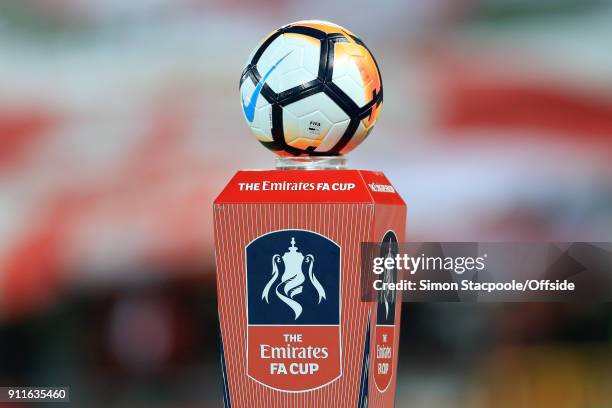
<point>120,121</point>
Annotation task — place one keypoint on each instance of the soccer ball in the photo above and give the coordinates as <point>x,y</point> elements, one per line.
<point>311,88</point>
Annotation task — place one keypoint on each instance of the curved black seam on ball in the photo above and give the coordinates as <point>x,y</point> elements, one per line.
<point>307,31</point>
<point>346,137</point>
<point>297,89</point>
<point>279,143</point>
<point>290,95</point>
<point>269,94</point>
<point>366,110</point>
<point>332,39</point>
<point>357,40</point>
<point>266,91</point>
<point>329,64</point>
<point>271,146</point>
<point>244,75</point>
<point>278,137</point>
<point>256,75</point>
<point>264,46</point>
<point>247,75</point>
<point>337,37</point>
<point>293,150</point>
<point>330,153</point>
<point>295,94</point>
<point>341,99</point>
<point>278,133</point>
<point>323,60</point>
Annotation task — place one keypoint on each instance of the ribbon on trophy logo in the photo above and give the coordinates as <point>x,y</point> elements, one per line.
<point>293,278</point>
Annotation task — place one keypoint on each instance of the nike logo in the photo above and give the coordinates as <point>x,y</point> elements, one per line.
<point>249,110</point>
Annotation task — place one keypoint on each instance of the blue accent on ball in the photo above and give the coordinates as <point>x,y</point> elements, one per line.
<point>249,110</point>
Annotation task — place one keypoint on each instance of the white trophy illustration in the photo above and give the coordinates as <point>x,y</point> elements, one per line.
<point>293,278</point>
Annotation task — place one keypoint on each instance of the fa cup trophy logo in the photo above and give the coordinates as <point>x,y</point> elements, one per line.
<point>291,311</point>
<point>293,278</point>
